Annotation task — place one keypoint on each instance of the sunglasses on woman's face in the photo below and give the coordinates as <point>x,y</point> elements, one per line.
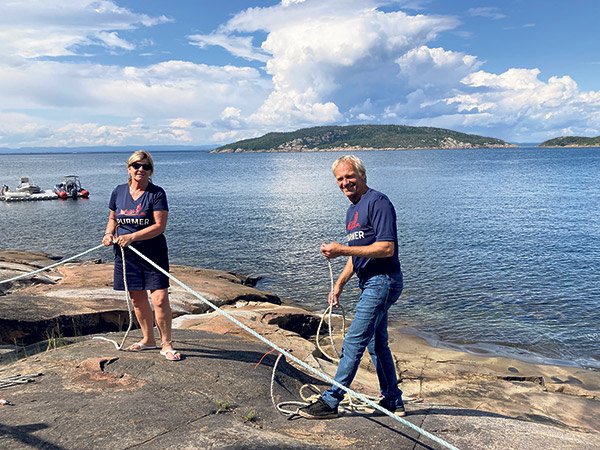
<point>137,166</point>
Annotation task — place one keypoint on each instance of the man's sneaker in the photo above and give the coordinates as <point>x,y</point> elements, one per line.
<point>318,410</point>
<point>396,407</point>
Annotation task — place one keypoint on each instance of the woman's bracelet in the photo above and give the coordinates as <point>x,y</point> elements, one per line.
<point>107,233</point>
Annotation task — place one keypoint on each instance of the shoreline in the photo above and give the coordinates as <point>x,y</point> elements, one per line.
<point>480,349</point>
<point>358,149</point>
<point>524,262</point>
<point>485,349</point>
<point>218,397</point>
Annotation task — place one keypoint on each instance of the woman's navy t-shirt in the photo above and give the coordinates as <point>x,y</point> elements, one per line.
<point>134,215</point>
<point>370,220</point>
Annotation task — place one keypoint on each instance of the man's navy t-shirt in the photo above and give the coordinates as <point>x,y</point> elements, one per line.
<point>373,219</point>
<point>133,215</point>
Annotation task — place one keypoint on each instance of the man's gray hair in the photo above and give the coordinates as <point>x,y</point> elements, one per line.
<point>354,161</point>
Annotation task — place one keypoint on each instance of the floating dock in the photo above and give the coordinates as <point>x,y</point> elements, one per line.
<point>12,196</point>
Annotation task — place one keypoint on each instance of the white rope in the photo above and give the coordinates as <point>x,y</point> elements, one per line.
<point>307,399</point>
<point>128,299</point>
<point>279,406</point>
<point>51,266</point>
<point>301,363</point>
<point>328,314</point>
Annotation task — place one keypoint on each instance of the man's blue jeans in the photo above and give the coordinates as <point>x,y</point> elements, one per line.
<point>369,330</point>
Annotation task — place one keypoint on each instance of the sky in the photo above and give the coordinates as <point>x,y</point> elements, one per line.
<point>190,72</point>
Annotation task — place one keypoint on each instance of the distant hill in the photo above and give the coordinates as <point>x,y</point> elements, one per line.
<point>106,149</point>
<point>361,137</point>
<point>572,141</point>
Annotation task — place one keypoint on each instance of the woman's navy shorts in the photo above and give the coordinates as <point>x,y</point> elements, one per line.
<point>141,276</point>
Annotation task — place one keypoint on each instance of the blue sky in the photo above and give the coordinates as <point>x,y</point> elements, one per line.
<point>177,72</point>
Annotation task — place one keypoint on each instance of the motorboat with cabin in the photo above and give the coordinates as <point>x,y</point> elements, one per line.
<point>26,186</point>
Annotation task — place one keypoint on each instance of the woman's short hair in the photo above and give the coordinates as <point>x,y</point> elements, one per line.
<point>140,155</point>
<point>354,161</point>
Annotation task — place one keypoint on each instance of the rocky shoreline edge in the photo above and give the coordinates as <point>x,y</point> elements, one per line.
<point>471,401</point>
<point>356,148</point>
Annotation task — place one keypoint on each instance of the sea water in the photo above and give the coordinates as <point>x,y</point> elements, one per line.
<point>500,248</point>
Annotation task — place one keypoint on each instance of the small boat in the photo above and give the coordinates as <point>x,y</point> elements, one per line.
<point>26,186</point>
<point>71,188</point>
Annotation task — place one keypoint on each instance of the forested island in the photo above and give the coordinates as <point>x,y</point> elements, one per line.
<point>572,141</point>
<point>362,137</point>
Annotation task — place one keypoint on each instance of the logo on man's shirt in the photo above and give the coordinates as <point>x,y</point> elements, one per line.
<point>357,235</point>
<point>353,223</point>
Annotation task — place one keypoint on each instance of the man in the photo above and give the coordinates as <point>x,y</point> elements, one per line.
<point>372,252</point>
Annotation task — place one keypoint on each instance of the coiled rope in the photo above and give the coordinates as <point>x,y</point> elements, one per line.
<point>346,404</point>
<point>328,312</point>
<point>352,405</point>
<point>280,407</point>
<point>283,352</point>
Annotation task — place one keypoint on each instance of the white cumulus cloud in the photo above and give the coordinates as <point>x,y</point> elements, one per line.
<point>156,92</point>
<point>435,67</point>
<point>326,57</point>
<point>518,99</point>
<point>50,28</point>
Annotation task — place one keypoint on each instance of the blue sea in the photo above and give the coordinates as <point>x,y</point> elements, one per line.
<point>500,248</point>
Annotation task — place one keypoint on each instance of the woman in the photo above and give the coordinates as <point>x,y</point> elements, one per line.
<point>138,217</point>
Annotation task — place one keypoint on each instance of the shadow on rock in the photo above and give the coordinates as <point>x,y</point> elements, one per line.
<point>23,434</point>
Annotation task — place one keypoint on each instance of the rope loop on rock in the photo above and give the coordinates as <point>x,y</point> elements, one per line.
<point>346,404</point>
<point>329,312</point>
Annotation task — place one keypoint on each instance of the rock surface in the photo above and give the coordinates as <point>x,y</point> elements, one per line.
<point>91,396</point>
<point>77,298</point>
<point>218,396</point>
